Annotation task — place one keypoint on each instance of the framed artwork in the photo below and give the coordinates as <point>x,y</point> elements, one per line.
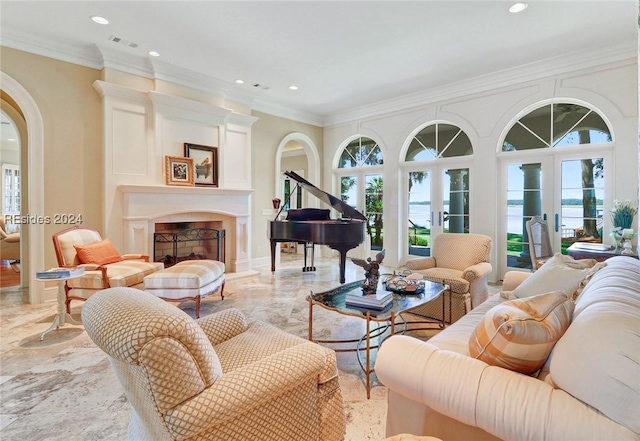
<point>205,162</point>
<point>178,171</point>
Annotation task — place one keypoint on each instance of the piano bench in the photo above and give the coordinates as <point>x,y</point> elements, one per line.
<point>187,280</point>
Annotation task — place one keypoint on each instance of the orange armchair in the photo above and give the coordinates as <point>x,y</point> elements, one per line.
<point>127,270</point>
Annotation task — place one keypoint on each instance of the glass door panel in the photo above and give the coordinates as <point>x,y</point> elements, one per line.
<point>524,200</point>
<point>373,210</point>
<point>581,214</point>
<point>455,199</point>
<point>349,190</point>
<point>419,213</point>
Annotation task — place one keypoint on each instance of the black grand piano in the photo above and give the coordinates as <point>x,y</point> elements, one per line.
<point>311,226</point>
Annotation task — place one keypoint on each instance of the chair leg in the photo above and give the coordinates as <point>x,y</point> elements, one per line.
<point>222,291</point>
<point>197,307</point>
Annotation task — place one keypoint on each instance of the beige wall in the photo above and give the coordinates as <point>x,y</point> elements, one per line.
<point>71,114</point>
<point>266,136</point>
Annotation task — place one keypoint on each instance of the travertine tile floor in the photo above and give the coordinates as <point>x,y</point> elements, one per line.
<point>63,388</point>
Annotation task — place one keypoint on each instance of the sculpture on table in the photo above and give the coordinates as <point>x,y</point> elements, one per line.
<point>371,272</point>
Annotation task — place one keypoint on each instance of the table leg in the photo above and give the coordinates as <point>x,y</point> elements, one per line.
<point>368,372</point>
<point>310,320</point>
<point>62,317</point>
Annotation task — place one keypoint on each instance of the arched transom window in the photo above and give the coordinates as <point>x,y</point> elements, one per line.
<point>439,141</point>
<point>360,152</point>
<point>557,125</point>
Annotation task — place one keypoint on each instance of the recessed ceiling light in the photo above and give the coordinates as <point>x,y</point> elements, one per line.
<point>293,87</point>
<point>11,139</point>
<point>154,54</point>
<point>518,7</point>
<point>239,82</point>
<point>100,20</point>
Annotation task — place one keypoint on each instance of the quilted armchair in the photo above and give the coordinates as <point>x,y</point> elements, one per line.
<point>462,262</point>
<point>9,243</point>
<point>104,266</point>
<point>217,378</point>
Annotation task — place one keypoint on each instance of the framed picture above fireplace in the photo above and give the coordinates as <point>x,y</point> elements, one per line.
<point>205,161</point>
<point>178,171</point>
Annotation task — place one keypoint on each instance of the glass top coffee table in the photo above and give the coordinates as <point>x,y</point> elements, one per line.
<point>335,300</point>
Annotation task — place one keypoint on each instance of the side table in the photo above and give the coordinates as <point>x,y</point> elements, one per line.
<point>585,250</point>
<point>62,317</point>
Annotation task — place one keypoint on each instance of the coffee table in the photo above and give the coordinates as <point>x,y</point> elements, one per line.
<point>334,300</point>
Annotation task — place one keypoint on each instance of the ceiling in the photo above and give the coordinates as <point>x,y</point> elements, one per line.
<point>342,55</point>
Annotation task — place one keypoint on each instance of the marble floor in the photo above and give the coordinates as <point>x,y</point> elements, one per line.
<point>63,388</point>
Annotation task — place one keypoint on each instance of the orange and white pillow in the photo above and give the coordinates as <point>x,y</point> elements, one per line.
<point>99,253</point>
<point>519,334</point>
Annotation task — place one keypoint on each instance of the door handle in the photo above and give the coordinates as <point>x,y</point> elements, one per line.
<point>556,222</point>
<point>439,218</point>
<point>431,220</point>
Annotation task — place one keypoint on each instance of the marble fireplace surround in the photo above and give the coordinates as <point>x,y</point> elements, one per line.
<point>146,205</point>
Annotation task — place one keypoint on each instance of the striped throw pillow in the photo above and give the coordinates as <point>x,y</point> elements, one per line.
<point>520,334</point>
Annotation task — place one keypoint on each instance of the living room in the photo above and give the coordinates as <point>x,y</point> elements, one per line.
<point>96,135</point>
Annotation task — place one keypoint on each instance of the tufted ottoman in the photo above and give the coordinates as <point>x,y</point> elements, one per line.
<point>187,280</point>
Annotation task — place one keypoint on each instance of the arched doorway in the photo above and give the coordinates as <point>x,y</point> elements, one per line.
<point>32,185</point>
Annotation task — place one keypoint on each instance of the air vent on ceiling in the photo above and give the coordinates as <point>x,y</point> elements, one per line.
<point>123,41</point>
<point>261,86</point>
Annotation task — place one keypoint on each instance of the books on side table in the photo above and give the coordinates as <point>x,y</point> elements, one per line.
<point>60,273</point>
<point>379,300</point>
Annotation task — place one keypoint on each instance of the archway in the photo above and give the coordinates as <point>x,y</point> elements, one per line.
<point>34,183</point>
<point>313,160</point>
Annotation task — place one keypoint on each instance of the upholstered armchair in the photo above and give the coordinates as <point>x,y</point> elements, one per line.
<point>9,243</point>
<point>217,378</point>
<point>462,262</point>
<point>104,266</point>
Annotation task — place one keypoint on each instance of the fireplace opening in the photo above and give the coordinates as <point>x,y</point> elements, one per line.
<point>171,247</point>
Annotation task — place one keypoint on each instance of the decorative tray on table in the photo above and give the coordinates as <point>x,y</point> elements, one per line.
<point>404,283</point>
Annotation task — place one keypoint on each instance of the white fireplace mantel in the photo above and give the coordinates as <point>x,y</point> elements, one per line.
<point>144,205</point>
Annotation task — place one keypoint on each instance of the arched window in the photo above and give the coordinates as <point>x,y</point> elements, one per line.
<point>438,191</point>
<point>361,183</point>
<point>557,125</point>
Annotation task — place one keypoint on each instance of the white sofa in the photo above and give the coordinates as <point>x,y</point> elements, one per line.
<point>588,389</point>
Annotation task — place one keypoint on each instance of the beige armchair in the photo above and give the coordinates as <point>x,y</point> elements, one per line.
<point>462,262</point>
<point>9,243</point>
<point>217,378</point>
<point>123,270</point>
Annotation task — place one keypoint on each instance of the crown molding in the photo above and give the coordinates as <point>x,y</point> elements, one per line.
<point>552,66</point>
<point>87,56</point>
<point>101,57</point>
<point>288,113</point>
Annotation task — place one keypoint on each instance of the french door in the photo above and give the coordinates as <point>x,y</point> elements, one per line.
<point>438,202</point>
<point>570,190</point>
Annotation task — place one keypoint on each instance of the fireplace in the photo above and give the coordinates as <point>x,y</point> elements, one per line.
<point>147,208</point>
<point>175,242</point>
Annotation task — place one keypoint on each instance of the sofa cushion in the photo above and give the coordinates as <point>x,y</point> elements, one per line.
<point>561,273</point>
<point>519,334</point>
<point>598,359</point>
<point>99,253</point>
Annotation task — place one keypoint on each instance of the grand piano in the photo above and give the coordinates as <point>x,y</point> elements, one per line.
<point>314,226</point>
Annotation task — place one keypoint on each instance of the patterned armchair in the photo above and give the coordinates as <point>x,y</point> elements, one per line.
<point>217,378</point>
<point>462,262</point>
<point>104,266</point>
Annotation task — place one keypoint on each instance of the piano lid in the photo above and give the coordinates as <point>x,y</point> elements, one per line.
<point>332,201</point>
